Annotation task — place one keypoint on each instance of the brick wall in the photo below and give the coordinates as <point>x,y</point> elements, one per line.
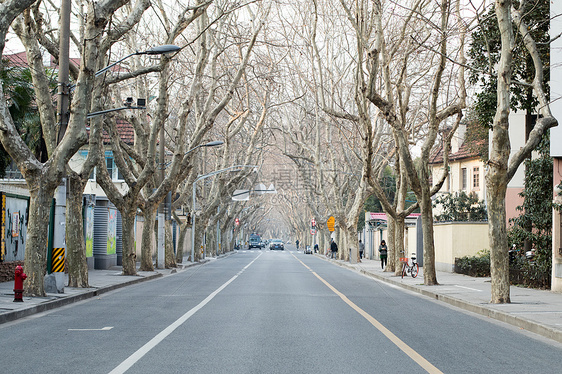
<point>7,270</point>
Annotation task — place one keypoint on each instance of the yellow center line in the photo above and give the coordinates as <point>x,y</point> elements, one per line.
<point>426,365</point>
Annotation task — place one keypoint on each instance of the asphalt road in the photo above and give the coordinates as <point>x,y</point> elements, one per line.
<point>263,311</point>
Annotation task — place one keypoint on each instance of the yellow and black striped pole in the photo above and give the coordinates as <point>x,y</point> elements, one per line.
<point>58,260</point>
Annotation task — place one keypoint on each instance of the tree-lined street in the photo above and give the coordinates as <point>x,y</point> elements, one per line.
<point>263,311</point>
<point>350,126</point>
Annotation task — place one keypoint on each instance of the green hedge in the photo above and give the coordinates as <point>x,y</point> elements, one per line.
<point>521,271</point>
<point>475,266</point>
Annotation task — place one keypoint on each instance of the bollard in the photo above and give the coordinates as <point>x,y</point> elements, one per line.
<point>18,284</point>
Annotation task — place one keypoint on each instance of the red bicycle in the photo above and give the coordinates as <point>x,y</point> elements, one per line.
<point>411,269</point>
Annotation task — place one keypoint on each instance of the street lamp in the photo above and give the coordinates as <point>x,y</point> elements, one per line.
<point>160,50</point>
<point>168,203</point>
<point>201,177</point>
<point>244,195</point>
<point>63,104</point>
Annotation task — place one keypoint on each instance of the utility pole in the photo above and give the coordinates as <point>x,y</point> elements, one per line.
<point>59,224</point>
<point>161,236</point>
<point>63,76</point>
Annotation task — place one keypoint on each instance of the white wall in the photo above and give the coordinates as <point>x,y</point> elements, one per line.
<point>517,141</point>
<point>556,78</point>
<point>458,239</point>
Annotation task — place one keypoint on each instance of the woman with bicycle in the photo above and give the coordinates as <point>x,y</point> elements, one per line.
<point>383,251</point>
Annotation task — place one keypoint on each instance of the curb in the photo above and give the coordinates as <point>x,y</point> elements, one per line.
<point>530,326</point>
<point>52,304</point>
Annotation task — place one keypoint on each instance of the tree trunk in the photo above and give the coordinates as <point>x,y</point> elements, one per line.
<point>499,257</point>
<point>399,244</point>
<point>170,260</point>
<point>392,256</point>
<point>147,244</point>
<point>128,234</point>
<point>496,178</point>
<point>209,241</point>
<point>77,263</point>
<point>37,236</point>
<point>198,241</point>
<point>181,243</point>
<point>338,240</point>
<point>322,241</point>
<point>429,274</point>
<point>350,244</point>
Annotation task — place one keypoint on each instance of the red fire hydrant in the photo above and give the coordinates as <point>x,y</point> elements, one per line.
<point>18,283</point>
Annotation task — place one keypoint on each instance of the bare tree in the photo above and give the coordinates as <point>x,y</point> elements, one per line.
<point>205,114</point>
<point>425,62</point>
<point>501,167</point>
<point>43,178</point>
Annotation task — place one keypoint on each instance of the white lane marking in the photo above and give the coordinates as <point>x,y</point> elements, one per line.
<point>107,328</point>
<point>468,288</point>
<point>142,351</point>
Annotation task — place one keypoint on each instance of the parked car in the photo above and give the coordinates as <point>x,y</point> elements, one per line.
<point>308,250</point>
<point>276,244</point>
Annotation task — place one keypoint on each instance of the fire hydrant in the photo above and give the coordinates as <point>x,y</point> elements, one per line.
<point>18,284</point>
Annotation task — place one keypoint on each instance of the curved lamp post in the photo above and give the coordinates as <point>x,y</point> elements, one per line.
<point>161,215</point>
<point>160,50</point>
<point>141,103</point>
<point>63,104</point>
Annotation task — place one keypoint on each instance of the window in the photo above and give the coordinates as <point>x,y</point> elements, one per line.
<point>12,171</point>
<point>112,168</point>
<point>110,164</point>
<point>464,179</point>
<point>476,177</point>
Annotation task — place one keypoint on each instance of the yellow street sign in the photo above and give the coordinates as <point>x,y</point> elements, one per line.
<point>331,223</point>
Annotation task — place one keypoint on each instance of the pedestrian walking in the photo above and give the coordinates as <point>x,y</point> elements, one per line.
<point>316,248</point>
<point>383,251</point>
<point>333,248</point>
<point>297,243</point>
<point>361,249</point>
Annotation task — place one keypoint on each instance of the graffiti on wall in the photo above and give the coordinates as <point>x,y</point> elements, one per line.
<point>3,229</point>
<point>112,232</point>
<point>14,219</point>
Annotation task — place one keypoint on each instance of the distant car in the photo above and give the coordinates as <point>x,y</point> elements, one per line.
<point>276,244</point>
<point>255,241</point>
<point>308,250</point>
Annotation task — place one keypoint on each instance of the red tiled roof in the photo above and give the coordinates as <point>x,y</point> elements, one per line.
<point>463,153</point>
<point>16,59</point>
<point>125,131</point>
<point>20,59</point>
<point>124,128</point>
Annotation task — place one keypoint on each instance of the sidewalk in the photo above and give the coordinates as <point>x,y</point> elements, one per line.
<point>100,281</point>
<point>534,310</point>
